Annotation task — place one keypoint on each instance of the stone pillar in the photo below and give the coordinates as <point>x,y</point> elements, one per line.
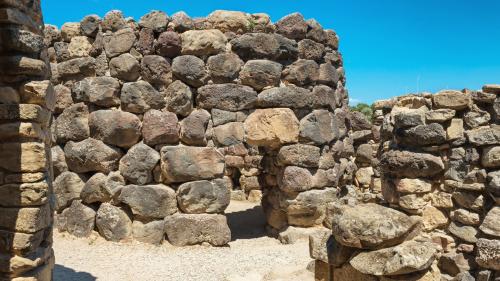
<point>26,101</point>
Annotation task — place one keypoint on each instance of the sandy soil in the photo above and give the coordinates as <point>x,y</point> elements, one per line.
<point>251,256</point>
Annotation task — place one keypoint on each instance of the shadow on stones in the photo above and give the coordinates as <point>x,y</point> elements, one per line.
<point>247,224</point>
<point>62,273</point>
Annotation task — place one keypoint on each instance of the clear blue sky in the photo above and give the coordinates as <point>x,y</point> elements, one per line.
<point>390,47</point>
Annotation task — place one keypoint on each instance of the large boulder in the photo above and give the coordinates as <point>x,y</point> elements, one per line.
<point>410,164</point>
<point>150,232</point>
<point>137,165</point>
<point>309,208</point>
<point>156,70</point>
<point>160,127</point>
<point>190,229</point>
<point>113,21</point>
<point>452,99</point>
<point>115,127</point>
<point>154,20</point>
<point>491,157</point>
<point>203,42</point>
<point>79,46</point>
<point>224,68</point>
<point>139,97</point>
<point>264,46</point>
<point>119,42</point>
<point>293,26</point>
<point>422,135</point>
<point>272,127</point>
<point>229,134</point>
<point>193,128</point>
<point>102,188</point>
<point>124,67</point>
<point>113,222</point>
<point>488,253</point>
<point>72,124</point>
<point>168,44</point>
<point>67,187</point>
<point>102,91</point>
<point>149,201</point>
<point>319,127</point>
<point>78,220</point>
<point>190,69</point>
<point>259,74</point>
<point>89,25</point>
<point>301,155</point>
<point>230,97</point>
<point>301,72</point>
<point>487,135</point>
<point>179,98</point>
<point>204,196</point>
<point>490,223</point>
<point>229,21</point>
<point>183,163</point>
<point>409,257</point>
<point>91,155</point>
<point>310,50</point>
<point>370,226</point>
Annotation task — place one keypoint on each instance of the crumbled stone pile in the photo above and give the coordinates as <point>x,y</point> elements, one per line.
<point>427,206</point>
<point>158,123</point>
<point>26,103</point>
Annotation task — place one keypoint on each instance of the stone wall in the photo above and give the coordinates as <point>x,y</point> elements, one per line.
<point>159,122</point>
<point>436,213</point>
<point>26,102</point>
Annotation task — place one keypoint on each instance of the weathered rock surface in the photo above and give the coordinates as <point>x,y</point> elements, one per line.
<point>149,201</point>
<point>101,91</point>
<point>411,164</point>
<point>138,97</point>
<point>160,127</point>
<point>182,163</point>
<point>137,165</point>
<point>370,226</point>
<point>408,257</point>
<point>151,232</point>
<point>259,74</point>
<point>91,155</point>
<point>67,187</point>
<point>72,124</point>
<point>203,42</point>
<point>204,196</point>
<point>272,127</point>
<point>190,229</point>
<point>113,223</point>
<point>490,223</point>
<point>115,127</point>
<point>78,220</point>
<point>488,255</point>
<point>230,97</point>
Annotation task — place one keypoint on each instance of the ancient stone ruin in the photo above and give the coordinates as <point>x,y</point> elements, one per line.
<point>426,201</point>
<point>158,124</point>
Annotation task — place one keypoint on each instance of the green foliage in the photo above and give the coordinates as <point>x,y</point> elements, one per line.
<point>364,108</point>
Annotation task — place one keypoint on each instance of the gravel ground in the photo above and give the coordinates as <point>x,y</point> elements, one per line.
<point>251,256</point>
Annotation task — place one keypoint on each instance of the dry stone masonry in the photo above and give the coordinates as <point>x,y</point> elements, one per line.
<point>26,102</point>
<point>159,123</point>
<point>426,200</point>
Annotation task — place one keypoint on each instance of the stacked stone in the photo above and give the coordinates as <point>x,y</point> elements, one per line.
<point>26,102</point>
<point>439,173</point>
<point>157,121</point>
